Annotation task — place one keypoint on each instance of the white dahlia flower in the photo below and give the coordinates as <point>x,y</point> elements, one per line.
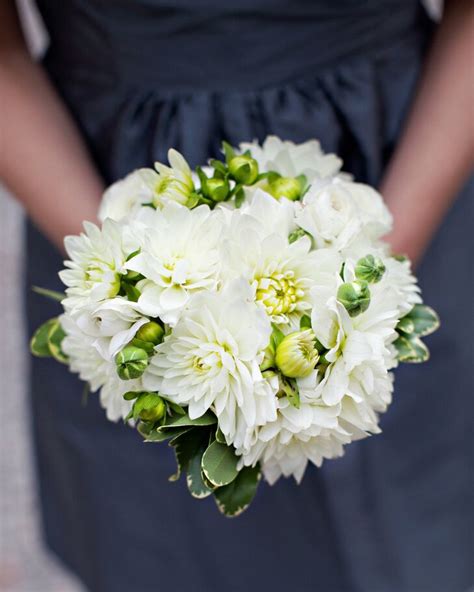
<point>97,259</point>
<point>86,360</point>
<point>284,447</point>
<point>211,359</point>
<point>169,184</point>
<point>179,257</point>
<point>124,198</point>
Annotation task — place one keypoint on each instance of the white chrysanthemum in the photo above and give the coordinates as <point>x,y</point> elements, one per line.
<point>124,198</point>
<point>169,184</point>
<point>284,447</point>
<point>97,259</point>
<point>399,278</point>
<point>281,274</point>
<point>86,360</point>
<point>291,160</point>
<point>179,257</point>
<point>271,216</point>
<point>211,359</point>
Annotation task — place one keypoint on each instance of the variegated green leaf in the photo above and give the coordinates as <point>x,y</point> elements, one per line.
<point>411,349</point>
<point>235,498</point>
<point>39,344</point>
<point>219,464</point>
<point>425,320</point>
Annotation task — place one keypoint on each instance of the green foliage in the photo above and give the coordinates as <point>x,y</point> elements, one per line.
<point>419,322</point>
<point>235,498</point>
<point>219,464</point>
<point>51,294</point>
<point>291,390</point>
<point>47,339</point>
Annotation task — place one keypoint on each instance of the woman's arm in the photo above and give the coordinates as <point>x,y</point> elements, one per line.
<point>435,154</point>
<point>43,160</point>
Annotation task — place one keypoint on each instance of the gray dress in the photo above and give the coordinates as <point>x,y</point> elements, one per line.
<point>140,76</point>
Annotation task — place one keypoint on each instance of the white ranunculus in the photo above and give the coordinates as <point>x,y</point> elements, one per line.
<point>169,184</point>
<point>329,215</point>
<point>97,259</point>
<point>179,257</point>
<point>112,323</point>
<point>211,359</point>
<point>123,199</point>
<point>291,160</point>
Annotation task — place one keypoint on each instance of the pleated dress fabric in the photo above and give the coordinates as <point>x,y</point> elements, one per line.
<point>141,76</point>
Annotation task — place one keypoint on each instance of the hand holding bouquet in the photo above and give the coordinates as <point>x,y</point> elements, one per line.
<point>247,312</point>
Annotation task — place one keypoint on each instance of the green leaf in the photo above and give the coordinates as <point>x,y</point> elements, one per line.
<point>235,498</point>
<point>291,390</point>
<point>186,446</point>
<point>406,325</point>
<point>219,464</point>
<point>424,319</point>
<point>228,151</point>
<point>239,197</point>
<point>131,292</point>
<point>411,349</point>
<point>277,337</point>
<point>305,322</point>
<point>175,408</point>
<point>52,294</point>
<point>183,420</point>
<point>56,334</point>
<point>220,436</point>
<point>194,479</point>
<point>39,344</point>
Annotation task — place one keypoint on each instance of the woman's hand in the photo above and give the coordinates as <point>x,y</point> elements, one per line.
<point>43,160</point>
<point>435,154</point>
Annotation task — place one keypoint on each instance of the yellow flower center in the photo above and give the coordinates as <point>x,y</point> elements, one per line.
<point>279,293</point>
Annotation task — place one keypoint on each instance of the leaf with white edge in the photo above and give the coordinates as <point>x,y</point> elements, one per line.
<point>411,350</point>
<point>196,485</point>
<point>56,334</point>
<point>425,320</point>
<point>39,344</point>
<point>235,498</point>
<point>51,294</point>
<point>185,446</point>
<point>219,464</point>
<point>184,420</point>
<point>406,325</point>
<point>220,436</point>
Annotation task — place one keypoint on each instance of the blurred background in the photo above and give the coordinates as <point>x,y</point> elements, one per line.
<point>25,565</point>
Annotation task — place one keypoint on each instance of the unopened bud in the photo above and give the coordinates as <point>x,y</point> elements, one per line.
<point>149,407</point>
<point>244,169</point>
<point>131,362</point>
<point>288,187</point>
<point>296,356</point>
<point>354,296</point>
<point>152,332</point>
<point>370,269</point>
<point>216,189</point>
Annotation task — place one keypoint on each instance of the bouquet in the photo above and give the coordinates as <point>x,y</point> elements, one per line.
<point>246,312</point>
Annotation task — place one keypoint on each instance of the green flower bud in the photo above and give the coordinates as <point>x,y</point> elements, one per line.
<point>152,332</point>
<point>216,189</point>
<point>354,296</point>
<point>296,355</point>
<point>288,187</point>
<point>370,269</point>
<point>244,169</point>
<point>131,362</point>
<point>149,407</point>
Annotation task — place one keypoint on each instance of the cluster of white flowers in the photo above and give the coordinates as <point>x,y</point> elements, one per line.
<point>278,315</point>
